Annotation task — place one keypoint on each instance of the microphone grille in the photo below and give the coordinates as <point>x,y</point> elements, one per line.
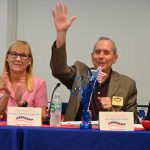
<point>58,84</point>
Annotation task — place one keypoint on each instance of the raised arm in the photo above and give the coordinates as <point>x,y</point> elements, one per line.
<point>62,23</point>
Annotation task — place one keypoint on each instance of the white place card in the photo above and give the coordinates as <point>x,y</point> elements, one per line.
<point>24,116</point>
<point>117,121</point>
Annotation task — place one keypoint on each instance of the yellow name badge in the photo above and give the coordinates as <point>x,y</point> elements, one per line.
<point>117,101</point>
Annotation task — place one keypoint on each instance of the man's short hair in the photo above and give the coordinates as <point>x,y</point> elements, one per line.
<point>106,38</point>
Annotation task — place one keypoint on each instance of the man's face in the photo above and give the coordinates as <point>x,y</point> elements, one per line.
<point>103,55</point>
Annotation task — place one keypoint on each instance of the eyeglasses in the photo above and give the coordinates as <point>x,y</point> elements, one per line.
<point>14,55</point>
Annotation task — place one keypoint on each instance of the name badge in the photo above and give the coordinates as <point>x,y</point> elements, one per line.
<point>24,116</point>
<point>117,101</point>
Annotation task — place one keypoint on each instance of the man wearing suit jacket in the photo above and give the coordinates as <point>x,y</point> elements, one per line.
<point>117,92</point>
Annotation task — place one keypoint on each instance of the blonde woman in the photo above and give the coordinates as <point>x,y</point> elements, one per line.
<point>18,86</point>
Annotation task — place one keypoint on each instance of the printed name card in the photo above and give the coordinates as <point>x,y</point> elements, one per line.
<point>24,116</point>
<point>117,121</point>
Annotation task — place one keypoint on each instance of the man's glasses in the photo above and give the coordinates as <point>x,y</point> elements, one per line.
<point>14,55</point>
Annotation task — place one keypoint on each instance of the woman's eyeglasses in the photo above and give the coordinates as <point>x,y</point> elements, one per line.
<point>14,55</point>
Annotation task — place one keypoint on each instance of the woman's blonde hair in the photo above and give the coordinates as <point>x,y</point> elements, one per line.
<point>29,75</point>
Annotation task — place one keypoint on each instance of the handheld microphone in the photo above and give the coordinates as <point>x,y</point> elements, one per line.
<point>25,104</point>
<point>47,121</point>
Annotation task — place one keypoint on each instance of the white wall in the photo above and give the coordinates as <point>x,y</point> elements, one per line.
<point>3,30</point>
<point>8,26</point>
<point>126,22</point>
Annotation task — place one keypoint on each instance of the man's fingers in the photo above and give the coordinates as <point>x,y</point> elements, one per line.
<point>53,13</point>
<point>73,18</point>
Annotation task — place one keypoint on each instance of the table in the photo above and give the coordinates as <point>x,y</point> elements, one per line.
<point>8,138</point>
<point>46,138</point>
<point>76,139</point>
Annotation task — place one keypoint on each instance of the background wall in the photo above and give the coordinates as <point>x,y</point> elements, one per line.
<point>126,22</point>
<point>8,25</point>
<point>3,30</point>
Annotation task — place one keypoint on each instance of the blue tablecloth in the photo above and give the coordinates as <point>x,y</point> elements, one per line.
<point>76,139</point>
<point>8,138</point>
<point>44,138</point>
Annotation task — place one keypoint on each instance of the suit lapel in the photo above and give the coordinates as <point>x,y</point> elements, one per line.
<point>113,85</point>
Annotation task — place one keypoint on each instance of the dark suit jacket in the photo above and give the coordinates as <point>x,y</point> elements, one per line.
<point>120,85</point>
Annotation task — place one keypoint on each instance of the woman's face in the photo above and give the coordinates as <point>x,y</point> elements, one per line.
<point>18,59</point>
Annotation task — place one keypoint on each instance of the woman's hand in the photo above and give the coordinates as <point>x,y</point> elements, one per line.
<point>20,88</point>
<point>4,87</point>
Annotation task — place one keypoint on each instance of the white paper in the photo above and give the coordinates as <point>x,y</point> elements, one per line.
<point>24,116</point>
<point>117,121</point>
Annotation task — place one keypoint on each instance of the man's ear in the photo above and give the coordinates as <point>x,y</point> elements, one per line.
<point>92,55</point>
<point>115,59</point>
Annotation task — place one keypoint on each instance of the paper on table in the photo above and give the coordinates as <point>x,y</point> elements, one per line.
<point>94,123</point>
<point>76,123</point>
<point>138,126</point>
